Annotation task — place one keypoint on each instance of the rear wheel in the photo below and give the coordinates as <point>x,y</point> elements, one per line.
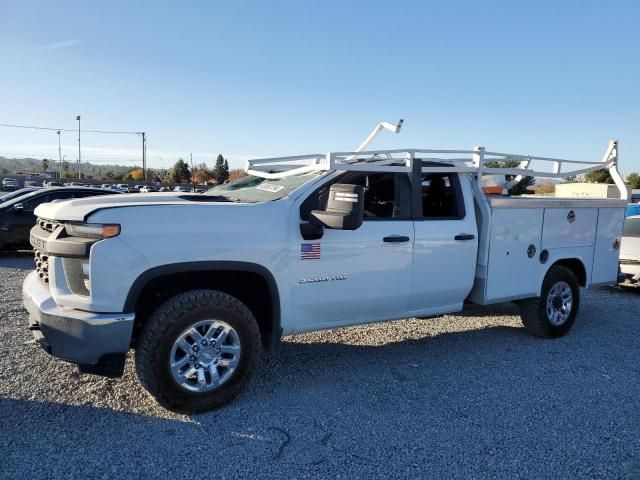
<point>553,313</point>
<point>197,350</point>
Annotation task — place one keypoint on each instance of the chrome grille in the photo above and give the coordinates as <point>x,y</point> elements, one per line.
<point>48,225</point>
<point>42,265</point>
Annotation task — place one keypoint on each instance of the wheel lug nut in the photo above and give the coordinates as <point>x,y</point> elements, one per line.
<point>192,358</point>
<point>204,342</point>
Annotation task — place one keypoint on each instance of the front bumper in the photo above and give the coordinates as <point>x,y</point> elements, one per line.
<point>74,335</point>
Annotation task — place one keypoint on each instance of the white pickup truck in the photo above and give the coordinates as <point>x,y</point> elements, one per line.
<point>198,283</point>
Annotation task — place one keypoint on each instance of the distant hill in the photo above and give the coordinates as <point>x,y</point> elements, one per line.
<point>12,166</point>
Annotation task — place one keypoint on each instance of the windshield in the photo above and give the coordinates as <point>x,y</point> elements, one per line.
<point>252,189</point>
<point>631,227</point>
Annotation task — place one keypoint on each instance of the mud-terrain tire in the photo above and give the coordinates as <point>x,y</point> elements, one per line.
<point>553,313</point>
<point>196,316</point>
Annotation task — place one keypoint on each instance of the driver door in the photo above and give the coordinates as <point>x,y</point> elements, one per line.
<point>356,276</point>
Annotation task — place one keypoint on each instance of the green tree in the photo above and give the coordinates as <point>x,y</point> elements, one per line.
<point>218,170</point>
<point>45,165</point>
<point>633,179</point>
<point>226,170</point>
<point>180,172</point>
<point>599,176</point>
<point>523,185</point>
<point>65,166</point>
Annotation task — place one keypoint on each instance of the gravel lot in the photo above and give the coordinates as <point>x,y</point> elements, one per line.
<point>463,396</point>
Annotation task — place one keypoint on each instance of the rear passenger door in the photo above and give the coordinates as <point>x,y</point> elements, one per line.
<point>446,243</point>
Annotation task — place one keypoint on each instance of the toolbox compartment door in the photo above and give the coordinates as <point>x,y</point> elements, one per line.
<point>569,227</point>
<point>607,251</point>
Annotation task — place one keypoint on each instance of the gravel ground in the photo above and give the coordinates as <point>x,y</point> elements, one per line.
<point>463,396</point>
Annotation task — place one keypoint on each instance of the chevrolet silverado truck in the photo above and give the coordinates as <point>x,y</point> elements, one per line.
<point>198,284</point>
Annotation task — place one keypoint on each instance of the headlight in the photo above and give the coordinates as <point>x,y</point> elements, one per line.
<point>92,230</point>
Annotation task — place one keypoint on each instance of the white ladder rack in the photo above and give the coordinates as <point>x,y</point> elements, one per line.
<point>402,160</point>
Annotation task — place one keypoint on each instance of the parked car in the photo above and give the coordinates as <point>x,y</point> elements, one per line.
<point>164,189</point>
<point>633,209</point>
<point>17,193</point>
<point>630,250</point>
<point>17,218</point>
<point>182,188</point>
<point>148,189</point>
<point>344,240</point>
<point>10,184</point>
<point>52,183</point>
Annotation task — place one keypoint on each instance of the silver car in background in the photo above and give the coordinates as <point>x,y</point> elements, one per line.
<point>630,250</point>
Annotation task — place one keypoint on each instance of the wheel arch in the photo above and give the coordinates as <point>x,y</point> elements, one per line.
<point>251,283</point>
<point>576,265</point>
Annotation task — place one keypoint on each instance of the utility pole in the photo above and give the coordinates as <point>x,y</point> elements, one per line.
<point>79,155</point>
<point>59,157</point>
<point>144,156</point>
<point>193,185</point>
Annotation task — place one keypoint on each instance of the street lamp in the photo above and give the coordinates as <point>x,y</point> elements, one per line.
<point>79,155</point>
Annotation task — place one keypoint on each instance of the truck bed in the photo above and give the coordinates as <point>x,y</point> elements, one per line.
<point>521,237</point>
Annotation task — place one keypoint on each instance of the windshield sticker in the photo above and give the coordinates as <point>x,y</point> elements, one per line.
<point>269,187</point>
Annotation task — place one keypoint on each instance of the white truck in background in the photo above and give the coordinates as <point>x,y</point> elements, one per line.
<point>198,283</point>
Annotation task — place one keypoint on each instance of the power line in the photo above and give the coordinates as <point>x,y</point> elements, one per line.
<point>33,127</point>
<point>37,156</point>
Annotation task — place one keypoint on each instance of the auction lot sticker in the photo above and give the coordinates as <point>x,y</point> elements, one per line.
<point>269,187</point>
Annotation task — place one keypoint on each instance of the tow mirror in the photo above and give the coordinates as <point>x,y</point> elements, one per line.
<point>18,208</point>
<point>345,208</point>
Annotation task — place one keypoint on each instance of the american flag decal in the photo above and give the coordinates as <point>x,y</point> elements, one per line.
<point>309,251</point>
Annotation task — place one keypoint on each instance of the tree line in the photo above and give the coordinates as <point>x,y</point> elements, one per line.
<point>180,172</point>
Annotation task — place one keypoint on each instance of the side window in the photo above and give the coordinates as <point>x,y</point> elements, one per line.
<point>60,195</point>
<point>32,203</point>
<point>441,196</point>
<point>83,194</point>
<point>387,195</point>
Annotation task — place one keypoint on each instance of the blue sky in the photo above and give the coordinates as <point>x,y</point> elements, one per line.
<point>266,78</point>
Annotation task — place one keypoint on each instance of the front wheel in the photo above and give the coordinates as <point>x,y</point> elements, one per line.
<point>553,313</point>
<point>197,350</point>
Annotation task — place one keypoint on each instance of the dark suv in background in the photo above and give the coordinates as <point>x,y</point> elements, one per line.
<point>10,184</point>
<point>17,218</point>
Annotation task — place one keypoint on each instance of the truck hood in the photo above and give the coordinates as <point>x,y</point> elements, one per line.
<point>79,209</point>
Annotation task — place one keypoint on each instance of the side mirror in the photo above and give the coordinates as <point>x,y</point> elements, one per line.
<point>345,208</point>
<point>18,208</point>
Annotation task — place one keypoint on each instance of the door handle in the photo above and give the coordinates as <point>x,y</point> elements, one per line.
<point>465,236</point>
<point>395,239</point>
